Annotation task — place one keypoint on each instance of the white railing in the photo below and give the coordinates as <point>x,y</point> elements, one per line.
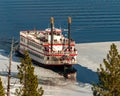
<point>61,62</point>
<point>60,52</point>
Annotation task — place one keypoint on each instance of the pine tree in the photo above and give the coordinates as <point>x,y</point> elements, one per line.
<point>109,75</point>
<point>1,89</point>
<point>27,78</point>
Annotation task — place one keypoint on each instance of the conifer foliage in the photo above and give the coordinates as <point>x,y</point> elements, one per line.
<point>1,89</point>
<point>109,75</point>
<point>27,78</point>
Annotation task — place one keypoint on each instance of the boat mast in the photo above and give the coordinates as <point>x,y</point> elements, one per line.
<point>52,25</point>
<point>69,29</point>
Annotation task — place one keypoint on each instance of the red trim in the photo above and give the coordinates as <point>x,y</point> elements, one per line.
<point>46,54</point>
<point>73,55</point>
<point>60,54</point>
<point>54,54</point>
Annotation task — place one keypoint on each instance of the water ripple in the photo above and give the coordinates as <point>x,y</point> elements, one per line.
<point>88,16</point>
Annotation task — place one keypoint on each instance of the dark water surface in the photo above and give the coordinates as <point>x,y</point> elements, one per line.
<point>92,20</point>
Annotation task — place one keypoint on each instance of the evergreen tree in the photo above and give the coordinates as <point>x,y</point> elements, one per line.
<point>109,75</point>
<point>1,89</point>
<point>27,78</point>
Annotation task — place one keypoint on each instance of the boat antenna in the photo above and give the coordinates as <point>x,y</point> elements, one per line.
<point>52,26</point>
<point>69,29</point>
<point>48,26</point>
<point>60,27</point>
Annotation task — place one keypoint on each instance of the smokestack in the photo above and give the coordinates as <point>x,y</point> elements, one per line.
<point>52,24</point>
<point>69,29</point>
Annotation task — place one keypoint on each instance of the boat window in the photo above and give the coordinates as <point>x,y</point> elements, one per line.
<point>58,34</point>
<point>21,39</point>
<point>47,58</point>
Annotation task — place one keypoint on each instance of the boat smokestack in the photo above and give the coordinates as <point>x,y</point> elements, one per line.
<point>52,25</point>
<point>69,29</point>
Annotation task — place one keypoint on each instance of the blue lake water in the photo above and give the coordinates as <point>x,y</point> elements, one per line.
<point>92,20</point>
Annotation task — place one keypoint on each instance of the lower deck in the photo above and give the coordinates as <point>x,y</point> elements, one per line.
<point>66,70</point>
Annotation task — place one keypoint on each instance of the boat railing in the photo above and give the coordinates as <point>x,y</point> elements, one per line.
<point>45,41</point>
<point>60,52</point>
<point>57,42</point>
<point>71,41</point>
<point>61,62</point>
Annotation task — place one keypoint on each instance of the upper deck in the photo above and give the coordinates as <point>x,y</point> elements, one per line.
<point>44,37</point>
